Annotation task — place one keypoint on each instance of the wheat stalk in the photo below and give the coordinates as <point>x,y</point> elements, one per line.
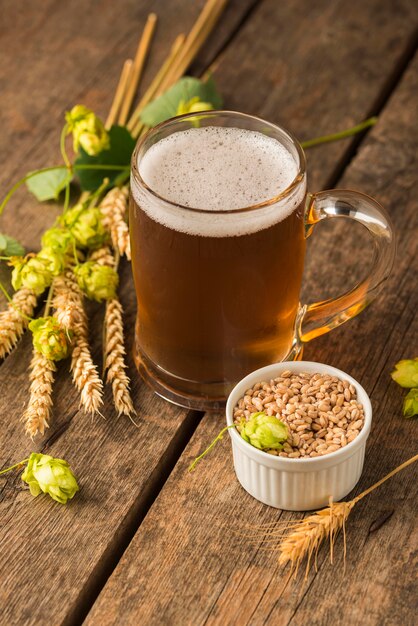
<point>14,320</point>
<point>68,303</point>
<point>114,361</point>
<point>113,209</point>
<point>306,537</point>
<point>37,413</point>
<point>114,346</point>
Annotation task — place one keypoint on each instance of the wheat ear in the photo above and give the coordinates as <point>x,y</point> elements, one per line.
<point>114,363</point>
<point>14,320</point>
<point>114,347</point>
<point>37,413</point>
<point>305,537</point>
<point>114,208</point>
<point>67,300</point>
<point>68,303</point>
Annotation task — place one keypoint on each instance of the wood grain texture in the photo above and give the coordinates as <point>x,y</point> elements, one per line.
<point>316,67</point>
<point>185,566</point>
<point>54,56</point>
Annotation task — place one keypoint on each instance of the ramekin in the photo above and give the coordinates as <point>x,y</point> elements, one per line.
<point>297,484</point>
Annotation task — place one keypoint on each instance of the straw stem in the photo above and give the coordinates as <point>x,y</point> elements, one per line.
<point>119,93</point>
<point>153,89</point>
<point>138,66</point>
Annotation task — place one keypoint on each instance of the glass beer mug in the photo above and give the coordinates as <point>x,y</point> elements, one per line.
<point>219,216</point>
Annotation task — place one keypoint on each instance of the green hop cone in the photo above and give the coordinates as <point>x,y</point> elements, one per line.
<point>98,282</point>
<point>406,373</point>
<point>54,260</point>
<point>31,272</point>
<point>85,225</point>
<point>49,338</point>
<point>45,474</point>
<point>194,105</point>
<point>264,432</point>
<point>410,404</point>
<point>87,129</point>
<point>59,239</point>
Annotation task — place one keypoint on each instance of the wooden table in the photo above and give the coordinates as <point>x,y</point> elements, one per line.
<point>143,542</point>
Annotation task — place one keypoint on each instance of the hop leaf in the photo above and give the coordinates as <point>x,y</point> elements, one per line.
<point>85,225</point>
<point>264,432</point>
<point>31,272</point>
<point>406,373</point>
<point>87,129</point>
<point>99,282</point>
<point>45,474</point>
<point>410,404</point>
<point>49,338</point>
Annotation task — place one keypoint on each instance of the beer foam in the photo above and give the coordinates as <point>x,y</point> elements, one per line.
<point>217,169</point>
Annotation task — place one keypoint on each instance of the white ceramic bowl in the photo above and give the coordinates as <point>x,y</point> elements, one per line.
<point>297,484</point>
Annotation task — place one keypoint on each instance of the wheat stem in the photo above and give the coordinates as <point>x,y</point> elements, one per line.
<point>385,478</point>
<point>119,93</point>
<point>138,66</point>
<point>308,535</point>
<point>154,89</point>
<point>113,345</point>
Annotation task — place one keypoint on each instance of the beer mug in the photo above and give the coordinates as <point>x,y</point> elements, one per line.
<point>219,216</point>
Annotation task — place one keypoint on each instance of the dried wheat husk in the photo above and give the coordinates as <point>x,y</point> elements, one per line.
<point>114,209</point>
<point>303,539</point>
<point>15,319</point>
<point>114,352</point>
<point>69,310</point>
<point>114,363</point>
<point>37,413</point>
<point>67,300</point>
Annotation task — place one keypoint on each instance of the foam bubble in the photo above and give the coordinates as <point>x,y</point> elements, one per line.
<point>217,169</point>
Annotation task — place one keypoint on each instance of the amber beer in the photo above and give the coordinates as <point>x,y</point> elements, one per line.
<point>218,244</point>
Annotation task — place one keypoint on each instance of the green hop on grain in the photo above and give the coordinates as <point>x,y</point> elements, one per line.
<point>59,239</point>
<point>406,373</point>
<point>31,272</point>
<point>85,225</point>
<point>54,260</point>
<point>194,105</point>
<point>410,404</point>
<point>45,474</point>
<point>49,338</point>
<point>264,431</point>
<point>87,129</point>
<point>98,282</point>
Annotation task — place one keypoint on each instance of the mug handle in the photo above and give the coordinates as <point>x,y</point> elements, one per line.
<point>320,317</point>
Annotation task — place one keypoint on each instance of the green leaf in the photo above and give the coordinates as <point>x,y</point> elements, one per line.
<point>10,246</point>
<point>166,105</point>
<point>48,185</point>
<point>122,145</point>
<point>410,405</point>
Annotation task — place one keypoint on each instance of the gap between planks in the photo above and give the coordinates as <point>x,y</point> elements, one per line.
<point>132,521</point>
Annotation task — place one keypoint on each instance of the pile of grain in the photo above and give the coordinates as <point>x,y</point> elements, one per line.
<point>321,411</point>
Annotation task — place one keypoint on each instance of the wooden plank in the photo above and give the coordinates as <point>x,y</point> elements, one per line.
<point>54,56</point>
<point>184,566</point>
